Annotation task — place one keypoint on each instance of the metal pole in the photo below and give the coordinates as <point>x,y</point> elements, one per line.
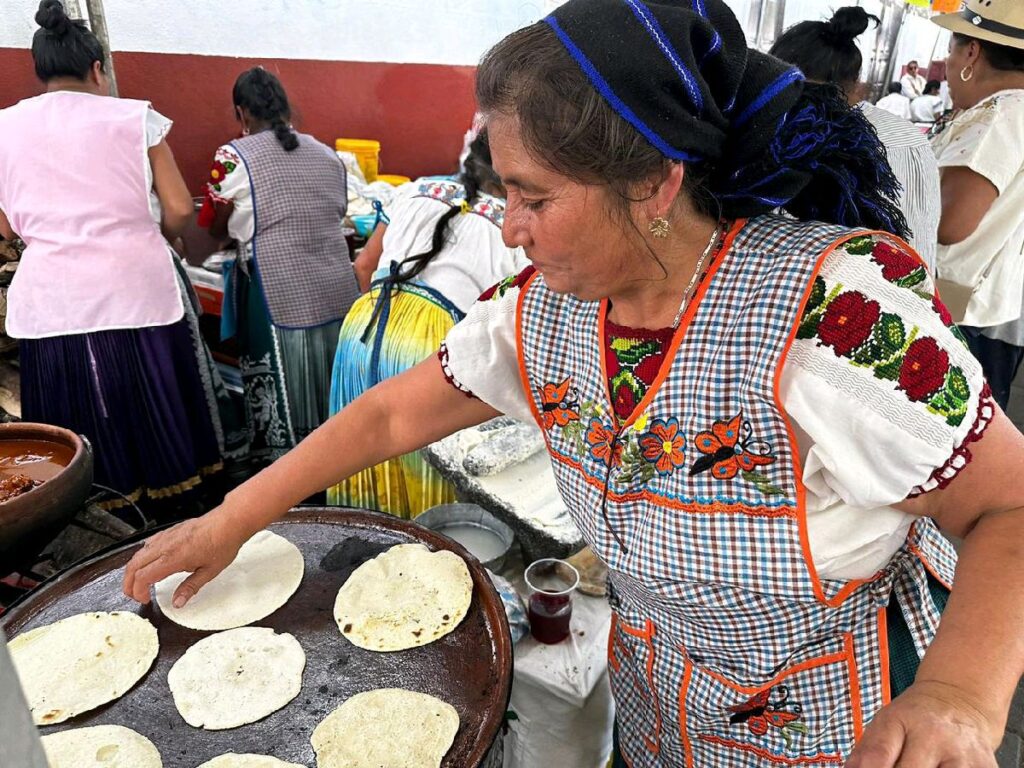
<point>754,21</point>
<point>98,22</point>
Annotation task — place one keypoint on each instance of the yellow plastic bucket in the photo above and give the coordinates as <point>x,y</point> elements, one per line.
<point>394,179</point>
<point>367,152</point>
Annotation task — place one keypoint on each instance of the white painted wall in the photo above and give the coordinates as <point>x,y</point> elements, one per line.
<point>402,31</point>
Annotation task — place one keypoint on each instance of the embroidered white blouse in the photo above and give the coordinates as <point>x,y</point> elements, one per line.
<point>873,427</point>
<point>229,182</point>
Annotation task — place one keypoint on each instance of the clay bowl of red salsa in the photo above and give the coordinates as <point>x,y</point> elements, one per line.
<point>45,476</point>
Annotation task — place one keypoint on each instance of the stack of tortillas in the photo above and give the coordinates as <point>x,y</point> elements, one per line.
<point>236,677</point>
<point>388,727</point>
<point>102,746</point>
<point>403,598</point>
<point>231,760</point>
<point>262,577</point>
<point>82,662</point>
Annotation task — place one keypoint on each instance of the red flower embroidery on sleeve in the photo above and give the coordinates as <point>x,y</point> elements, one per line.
<point>895,262</point>
<point>924,369</point>
<point>848,322</point>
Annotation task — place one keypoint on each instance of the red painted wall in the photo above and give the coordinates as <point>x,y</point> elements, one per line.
<point>419,112</point>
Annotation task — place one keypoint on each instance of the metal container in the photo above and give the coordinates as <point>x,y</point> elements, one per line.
<point>485,536</point>
<point>28,522</point>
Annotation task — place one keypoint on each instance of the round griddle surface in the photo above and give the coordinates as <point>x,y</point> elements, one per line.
<point>470,668</point>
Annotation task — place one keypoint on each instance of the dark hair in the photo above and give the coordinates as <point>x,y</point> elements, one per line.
<point>263,96</point>
<point>63,47</point>
<point>895,88</point>
<point>1001,57</point>
<point>933,86</point>
<point>476,174</point>
<point>825,50</point>
<point>567,126</point>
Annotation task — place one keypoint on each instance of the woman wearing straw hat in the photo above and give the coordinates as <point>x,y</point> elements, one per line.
<point>756,420</point>
<point>981,253</point>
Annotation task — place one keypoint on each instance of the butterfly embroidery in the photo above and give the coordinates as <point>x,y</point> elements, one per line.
<point>560,404</point>
<point>762,712</point>
<point>729,448</point>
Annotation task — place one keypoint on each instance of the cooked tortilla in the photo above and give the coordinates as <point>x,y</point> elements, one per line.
<point>403,598</point>
<point>263,576</point>
<point>232,760</point>
<point>236,677</point>
<point>388,727</point>
<point>101,746</point>
<point>82,662</point>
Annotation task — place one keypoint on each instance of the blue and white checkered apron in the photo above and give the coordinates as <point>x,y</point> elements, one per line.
<point>726,648</point>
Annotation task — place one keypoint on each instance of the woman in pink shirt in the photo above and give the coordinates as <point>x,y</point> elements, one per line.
<point>107,346</point>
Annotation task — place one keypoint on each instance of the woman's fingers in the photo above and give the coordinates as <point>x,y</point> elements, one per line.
<point>188,588</point>
<point>141,560</point>
<point>165,553</point>
<point>880,746</point>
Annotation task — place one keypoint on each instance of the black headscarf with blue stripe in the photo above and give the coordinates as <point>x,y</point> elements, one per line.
<point>680,72</point>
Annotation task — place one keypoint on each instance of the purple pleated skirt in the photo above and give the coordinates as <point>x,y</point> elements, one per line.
<point>136,395</point>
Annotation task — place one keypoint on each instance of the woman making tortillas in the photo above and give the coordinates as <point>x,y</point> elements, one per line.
<point>766,474</point>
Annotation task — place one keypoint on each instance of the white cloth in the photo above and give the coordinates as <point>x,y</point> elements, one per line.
<point>989,139</point>
<point>913,85</point>
<point>926,109</point>
<point>865,446</point>
<point>895,103</point>
<point>912,160</point>
<point>474,259</point>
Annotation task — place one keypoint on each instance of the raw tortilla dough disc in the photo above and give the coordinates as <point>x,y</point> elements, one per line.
<point>236,677</point>
<point>101,746</point>
<point>403,598</point>
<point>82,662</point>
<point>231,760</point>
<point>265,573</point>
<point>388,727</point>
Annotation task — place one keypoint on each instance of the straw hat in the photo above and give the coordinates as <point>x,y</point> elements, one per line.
<point>997,21</point>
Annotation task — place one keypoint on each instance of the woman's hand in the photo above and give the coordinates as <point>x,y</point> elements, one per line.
<point>931,725</point>
<point>204,547</point>
<point>390,416</point>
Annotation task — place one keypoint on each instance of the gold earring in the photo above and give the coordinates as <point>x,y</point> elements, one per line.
<point>660,227</point>
<point>965,75</point>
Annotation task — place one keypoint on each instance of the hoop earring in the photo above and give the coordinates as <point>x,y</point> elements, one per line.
<point>965,76</point>
<point>660,227</point>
